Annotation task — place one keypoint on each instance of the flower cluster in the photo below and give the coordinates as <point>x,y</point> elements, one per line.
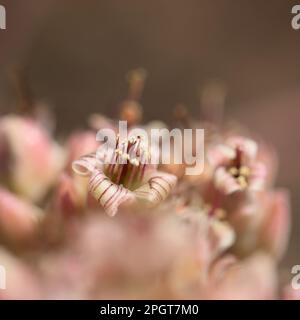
<point>73,226</point>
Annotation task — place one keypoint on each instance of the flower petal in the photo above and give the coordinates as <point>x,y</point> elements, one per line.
<point>70,195</point>
<point>107,193</point>
<point>247,146</point>
<point>37,160</point>
<point>85,165</point>
<point>252,278</point>
<point>21,280</point>
<point>276,227</point>
<point>222,236</point>
<point>257,177</point>
<point>158,187</point>
<point>225,181</point>
<point>220,154</point>
<point>18,219</point>
<point>98,121</point>
<point>80,143</point>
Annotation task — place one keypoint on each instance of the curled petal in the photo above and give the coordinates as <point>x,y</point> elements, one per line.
<point>107,193</point>
<point>225,181</point>
<point>85,165</point>
<point>157,188</point>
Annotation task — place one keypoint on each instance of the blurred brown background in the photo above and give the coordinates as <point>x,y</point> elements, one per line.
<point>76,54</point>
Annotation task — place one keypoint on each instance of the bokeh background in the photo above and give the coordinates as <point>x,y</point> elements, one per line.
<point>76,53</point>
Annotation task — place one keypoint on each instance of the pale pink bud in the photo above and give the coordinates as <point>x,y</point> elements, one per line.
<point>70,197</point>
<point>18,219</point>
<point>35,160</point>
<point>20,280</point>
<point>79,144</point>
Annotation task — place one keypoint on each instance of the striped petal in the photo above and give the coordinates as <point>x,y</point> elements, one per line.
<point>107,193</point>
<point>157,188</point>
<point>86,165</point>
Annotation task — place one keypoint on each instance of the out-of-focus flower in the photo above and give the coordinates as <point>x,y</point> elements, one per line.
<point>267,227</point>
<point>78,144</point>
<point>218,235</point>
<point>130,110</point>
<point>253,278</point>
<point>289,293</point>
<point>21,281</point>
<point>70,195</point>
<point>177,253</point>
<point>18,219</point>
<point>236,167</point>
<point>98,121</point>
<point>128,177</point>
<point>32,160</point>
<point>275,230</point>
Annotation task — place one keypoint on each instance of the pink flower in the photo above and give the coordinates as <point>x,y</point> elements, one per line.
<point>275,230</point>
<point>289,293</point>
<point>119,183</point>
<point>18,219</point>
<point>70,196</point>
<point>158,254</point>
<point>252,278</point>
<point>80,143</point>
<point>264,226</point>
<point>236,166</point>
<point>33,160</point>
<point>22,281</point>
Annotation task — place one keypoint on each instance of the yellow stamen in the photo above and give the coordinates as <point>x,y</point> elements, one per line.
<point>233,171</point>
<point>242,181</point>
<point>245,171</point>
